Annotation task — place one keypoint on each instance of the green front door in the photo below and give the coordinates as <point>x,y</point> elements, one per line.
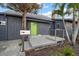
<point>33,28</point>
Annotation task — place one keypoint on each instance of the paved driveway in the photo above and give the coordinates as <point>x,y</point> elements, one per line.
<point>41,41</point>
<point>10,48</point>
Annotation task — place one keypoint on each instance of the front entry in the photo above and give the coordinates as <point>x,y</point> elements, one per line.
<point>33,28</point>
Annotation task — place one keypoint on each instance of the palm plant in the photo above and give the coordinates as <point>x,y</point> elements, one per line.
<point>23,8</point>
<point>74,7</point>
<point>59,10</point>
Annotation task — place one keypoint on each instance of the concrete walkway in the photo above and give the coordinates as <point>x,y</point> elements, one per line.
<point>42,40</point>
<point>10,48</point>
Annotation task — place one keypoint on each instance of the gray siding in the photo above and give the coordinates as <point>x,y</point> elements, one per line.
<point>52,28</point>
<point>3,28</point>
<point>14,26</point>
<point>43,29</point>
<point>28,25</point>
<point>57,25</point>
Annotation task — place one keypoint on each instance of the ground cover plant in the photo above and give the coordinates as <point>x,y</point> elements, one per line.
<point>59,50</point>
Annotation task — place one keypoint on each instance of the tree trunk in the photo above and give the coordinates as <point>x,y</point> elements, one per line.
<point>73,24</point>
<point>73,27</point>
<point>75,33</point>
<point>66,30</point>
<point>24,21</point>
<point>23,28</point>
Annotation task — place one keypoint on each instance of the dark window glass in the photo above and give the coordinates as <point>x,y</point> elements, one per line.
<point>0,22</point>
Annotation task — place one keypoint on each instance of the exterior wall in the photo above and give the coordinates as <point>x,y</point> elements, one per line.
<point>3,28</point>
<point>59,25</point>
<point>14,26</point>
<point>11,29</point>
<point>43,28</point>
<point>28,25</point>
<point>52,28</point>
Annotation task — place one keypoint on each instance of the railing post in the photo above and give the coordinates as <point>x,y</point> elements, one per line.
<point>55,34</point>
<point>63,33</point>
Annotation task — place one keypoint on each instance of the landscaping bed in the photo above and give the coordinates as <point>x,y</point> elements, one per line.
<point>59,50</point>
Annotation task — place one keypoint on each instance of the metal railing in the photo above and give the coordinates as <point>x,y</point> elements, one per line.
<point>59,30</point>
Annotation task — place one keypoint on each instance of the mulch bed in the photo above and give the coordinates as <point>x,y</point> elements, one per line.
<point>45,51</point>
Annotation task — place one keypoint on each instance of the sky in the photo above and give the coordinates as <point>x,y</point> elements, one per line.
<point>45,10</point>
<point>3,9</point>
<point>48,8</point>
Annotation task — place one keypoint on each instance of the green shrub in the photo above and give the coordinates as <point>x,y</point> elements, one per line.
<point>67,51</point>
<point>20,44</point>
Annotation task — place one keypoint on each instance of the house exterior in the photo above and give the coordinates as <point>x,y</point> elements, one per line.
<point>10,25</point>
<point>57,25</point>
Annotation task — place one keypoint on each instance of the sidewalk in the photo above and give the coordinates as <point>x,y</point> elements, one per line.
<point>10,48</point>
<point>42,40</point>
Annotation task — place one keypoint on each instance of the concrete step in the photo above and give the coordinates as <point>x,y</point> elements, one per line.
<point>27,45</point>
